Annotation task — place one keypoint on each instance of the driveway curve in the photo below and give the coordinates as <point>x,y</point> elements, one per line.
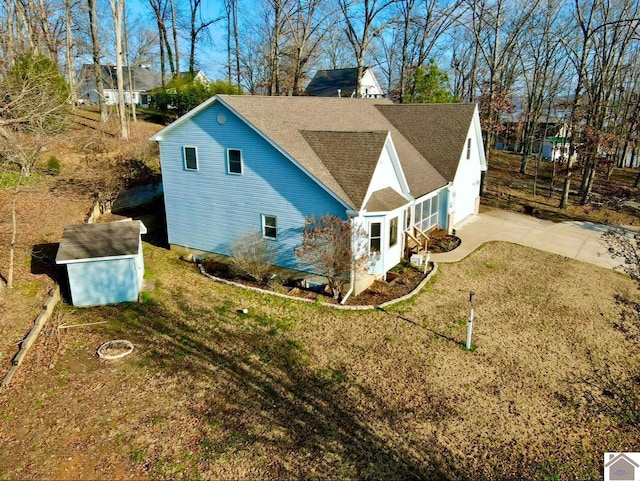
<point>574,239</point>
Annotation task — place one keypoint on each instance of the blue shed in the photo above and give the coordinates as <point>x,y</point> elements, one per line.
<point>104,262</point>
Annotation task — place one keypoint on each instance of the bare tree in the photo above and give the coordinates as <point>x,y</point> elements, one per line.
<point>334,248</point>
<point>197,26</point>
<point>360,23</point>
<point>160,10</point>
<point>95,50</point>
<point>498,27</point>
<point>604,32</point>
<point>543,64</point>
<point>306,30</point>
<point>117,9</point>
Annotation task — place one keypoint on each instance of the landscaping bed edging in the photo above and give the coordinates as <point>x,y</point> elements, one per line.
<point>409,295</point>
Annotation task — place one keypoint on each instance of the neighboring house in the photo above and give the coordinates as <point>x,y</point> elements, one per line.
<point>237,164</point>
<point>104,262</point>
<point>197,76</point>
<point>342,82</point>
<point>555,147</point>
<point>143,80</point>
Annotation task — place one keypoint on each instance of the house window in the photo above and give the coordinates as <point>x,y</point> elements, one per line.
<point>375,235</point>
<point>468,148</point>
<point>234,161</point>
<point>393,232</point>
<point>408,219</point>
<point>190,158</point>
<point>269,226</point>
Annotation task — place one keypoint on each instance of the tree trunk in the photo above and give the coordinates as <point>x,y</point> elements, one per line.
<point>10,37</point>
<point>174,31</point>
<point>588,187</point>
<point>97,68</point>
<point>69,54</point>
<point>132,102</point>
<point>14,231</point>
<point>564,200</point>
<point>117,7</point>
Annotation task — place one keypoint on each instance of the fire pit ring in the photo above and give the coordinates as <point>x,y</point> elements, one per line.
<point>116,349</point>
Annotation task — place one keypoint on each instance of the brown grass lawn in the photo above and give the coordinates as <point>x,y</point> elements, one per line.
<point>292,390</point>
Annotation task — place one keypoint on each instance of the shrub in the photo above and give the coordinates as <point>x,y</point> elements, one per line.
<point>53,165</point>
<point>253,256</point>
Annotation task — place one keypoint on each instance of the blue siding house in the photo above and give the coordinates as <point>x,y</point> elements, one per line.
<point>104,262</point>
<point>238,164</point>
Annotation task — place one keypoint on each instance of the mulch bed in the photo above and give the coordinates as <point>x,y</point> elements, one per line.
<point>401,280</point>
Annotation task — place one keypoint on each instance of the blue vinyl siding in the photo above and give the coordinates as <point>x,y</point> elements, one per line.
<point>94,283</point>
<point>209,209</point>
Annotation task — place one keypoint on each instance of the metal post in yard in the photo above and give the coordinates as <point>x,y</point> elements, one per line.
<point>470,323</point>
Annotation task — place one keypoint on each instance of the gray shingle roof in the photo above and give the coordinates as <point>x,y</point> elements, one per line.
<point>385,200</point>
<point>438,131</point>
<point>91,241</point>
<point>351,157</point>
<point>325,83</point>
<point>143,79</point>
<point>284,119</point>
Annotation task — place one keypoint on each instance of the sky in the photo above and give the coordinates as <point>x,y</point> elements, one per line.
<point>210,58</point>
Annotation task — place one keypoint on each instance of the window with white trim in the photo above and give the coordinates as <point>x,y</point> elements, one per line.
<point>269,226</point>
<point>375,237</point>
<point>234,161</point>
<point>190,155</point>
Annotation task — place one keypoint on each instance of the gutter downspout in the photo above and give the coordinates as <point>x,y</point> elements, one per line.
<point>352,284</point>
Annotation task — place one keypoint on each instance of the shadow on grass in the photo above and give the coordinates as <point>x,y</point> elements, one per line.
<point>264,395</point>
<point>421,326</point>
<point>43,259</point>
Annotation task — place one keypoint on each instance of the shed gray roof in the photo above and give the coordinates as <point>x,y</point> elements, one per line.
<point>438,131</point>
<point>91,241</point>
<point>326,83</point>
<point>284,119</point>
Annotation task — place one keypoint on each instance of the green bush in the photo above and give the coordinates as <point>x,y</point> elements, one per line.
<point>53,165</point>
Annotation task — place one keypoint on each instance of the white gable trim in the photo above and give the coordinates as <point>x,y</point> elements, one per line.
<point>181,120</point>
<point>475,124</point>
<point>390,149</point>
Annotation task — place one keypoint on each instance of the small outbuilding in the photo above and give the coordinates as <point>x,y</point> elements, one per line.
<point>104,262</point>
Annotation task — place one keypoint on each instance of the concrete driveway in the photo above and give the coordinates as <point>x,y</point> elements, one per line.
<point>575,239</point>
